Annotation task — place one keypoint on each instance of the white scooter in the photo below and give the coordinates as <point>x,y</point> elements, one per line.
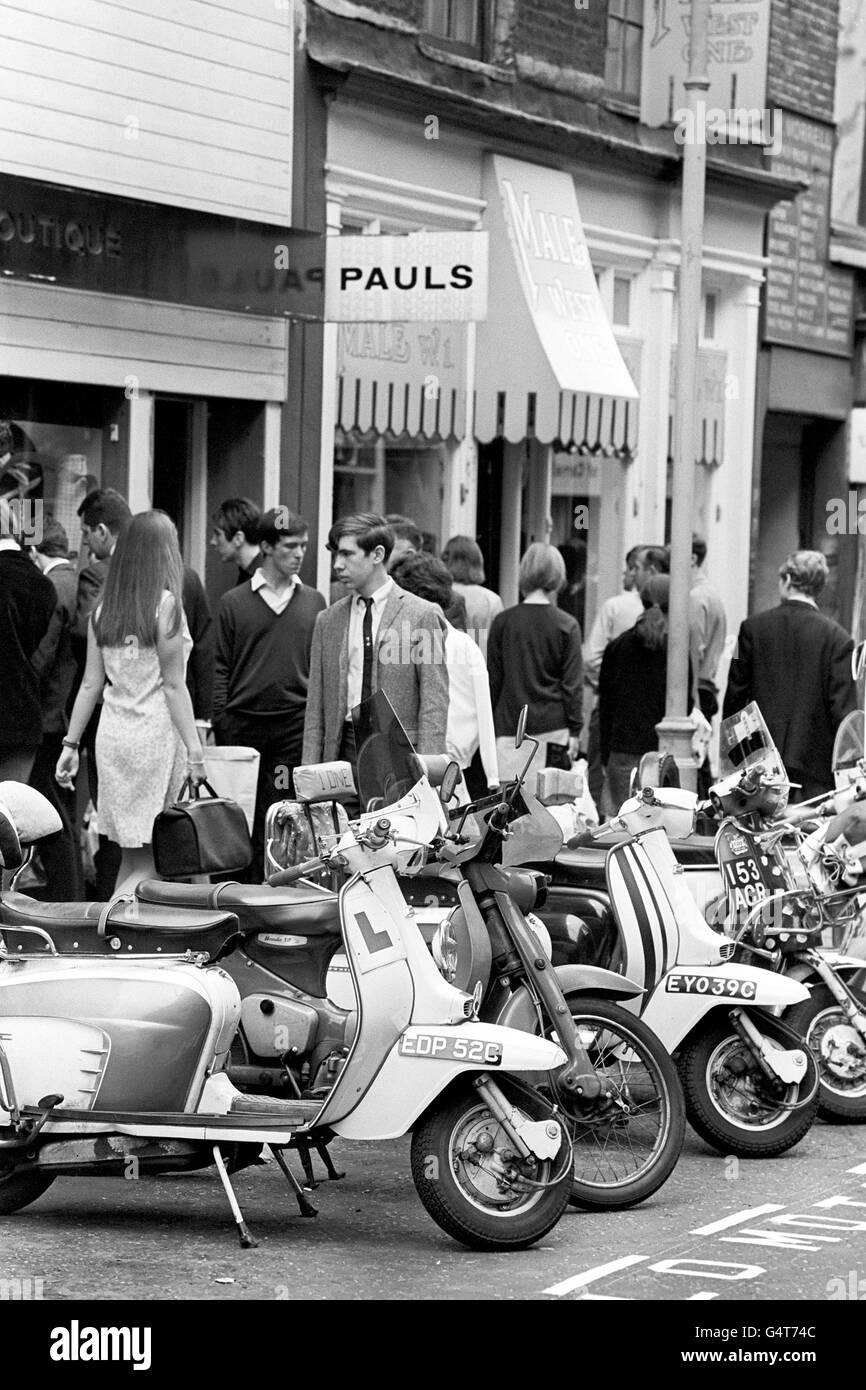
<point>114,1061</point>
<point>750,1082</point>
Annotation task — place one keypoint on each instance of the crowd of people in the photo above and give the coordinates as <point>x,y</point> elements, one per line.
<point>120,657</point>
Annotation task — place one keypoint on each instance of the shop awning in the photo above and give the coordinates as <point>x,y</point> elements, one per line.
<point>399,379</point>
<point>548,363</point>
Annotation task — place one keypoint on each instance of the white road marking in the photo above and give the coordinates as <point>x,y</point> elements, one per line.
<point>736,1219</point>
<point>578,1281</point>
<point>861,1168</point>
<point>701,1297</point>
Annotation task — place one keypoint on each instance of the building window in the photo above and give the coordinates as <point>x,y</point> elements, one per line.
<point>459,25</point>
<point>709,317</point>
<point>621,301</point>
<point>624,46</point>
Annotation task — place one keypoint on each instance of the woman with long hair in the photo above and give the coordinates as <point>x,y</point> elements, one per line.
<point>534,659</point>
<point>632,687</point>
<point>138,644</point>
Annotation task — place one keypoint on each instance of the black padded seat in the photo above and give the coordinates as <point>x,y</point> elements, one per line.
<point>258,907</point>
<point>129,928</point>
<point>584,866</point>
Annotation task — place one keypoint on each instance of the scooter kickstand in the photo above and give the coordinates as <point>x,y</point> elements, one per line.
<point>322,1151</point>
<point>248,1242</point>
<point>304,1203</point>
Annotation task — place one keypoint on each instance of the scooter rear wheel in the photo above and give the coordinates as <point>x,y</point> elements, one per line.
<point>729,1101</point>
<point>20,1189</point>
<point>840,1050</point>
<point>470,1182</point>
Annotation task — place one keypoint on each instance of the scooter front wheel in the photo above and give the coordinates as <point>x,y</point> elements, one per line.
<point>626,1145</point>
<point>731,1104</point>
<point>840,1050</point>
<point>473,1184</point>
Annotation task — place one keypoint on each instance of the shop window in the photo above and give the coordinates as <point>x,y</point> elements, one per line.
<point>624,48</point>
<point>621,300</point>
<point>380,476</point>
<point>51,471</point>
<point>461,26</point>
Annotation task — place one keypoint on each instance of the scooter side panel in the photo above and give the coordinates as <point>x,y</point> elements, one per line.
<point>673,1012</point>
<point>54,1056</point>
<point>165,1022</point>
<point>409,1082</point>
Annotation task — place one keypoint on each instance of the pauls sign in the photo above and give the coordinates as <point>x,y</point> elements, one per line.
<point>421,278</point>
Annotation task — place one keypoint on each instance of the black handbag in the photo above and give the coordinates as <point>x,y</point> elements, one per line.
<point>201,835</point>
<point>558,756</point>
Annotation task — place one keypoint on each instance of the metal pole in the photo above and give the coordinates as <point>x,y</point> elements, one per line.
<point>675,730</point>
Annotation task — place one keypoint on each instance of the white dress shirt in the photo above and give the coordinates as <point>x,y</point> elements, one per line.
<point>470,713</point>
<point>355,669</point>
<point>277,600</point>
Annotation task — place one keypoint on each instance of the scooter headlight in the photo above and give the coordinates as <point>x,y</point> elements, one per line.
<point>443,948</point>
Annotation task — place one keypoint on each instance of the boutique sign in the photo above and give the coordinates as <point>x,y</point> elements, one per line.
<point>425,277</point>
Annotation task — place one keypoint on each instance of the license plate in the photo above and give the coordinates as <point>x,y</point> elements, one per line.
<point>445,1048</point>
<point>714,985</point>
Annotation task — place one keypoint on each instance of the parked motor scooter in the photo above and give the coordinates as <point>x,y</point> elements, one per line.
<point>750,1083</point>
<point>111,1057</point>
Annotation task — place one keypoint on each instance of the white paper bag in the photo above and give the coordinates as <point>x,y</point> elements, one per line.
<point>234,773</point>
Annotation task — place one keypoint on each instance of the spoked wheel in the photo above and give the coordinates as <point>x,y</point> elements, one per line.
<point>473,1183</point>
<point>732,1104</point>
<point>19,1189</point>
<point>840,1050</point>
<point>625,1146</point>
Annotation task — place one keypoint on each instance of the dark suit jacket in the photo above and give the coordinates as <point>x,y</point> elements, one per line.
<point>199,671</point>
<point>408,666</point>
<point>796,663</point>
<point>54,660</point>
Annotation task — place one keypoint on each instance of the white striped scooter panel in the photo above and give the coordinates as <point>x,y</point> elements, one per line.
<point>646,916</point>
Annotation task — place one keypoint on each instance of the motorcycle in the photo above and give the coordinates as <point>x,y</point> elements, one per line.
<point>85,1001</point>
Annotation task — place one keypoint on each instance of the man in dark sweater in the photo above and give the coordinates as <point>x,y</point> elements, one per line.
<point>264,635</point>
<point>27,602</point>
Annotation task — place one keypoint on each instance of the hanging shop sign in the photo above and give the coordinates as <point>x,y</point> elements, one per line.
<point>737,67</point>
<point>421,278</point>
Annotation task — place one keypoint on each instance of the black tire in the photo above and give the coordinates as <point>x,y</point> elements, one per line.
<point>732,1107</point>
<point>20,1189</point>
<point>840,1052</point>
<point>623,1155</point>
<point>462,1196</point>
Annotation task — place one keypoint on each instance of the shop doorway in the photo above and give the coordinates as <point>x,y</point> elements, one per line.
<point>172,458</point>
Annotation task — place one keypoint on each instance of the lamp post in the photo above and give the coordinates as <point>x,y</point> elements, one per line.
<point>675,730</point>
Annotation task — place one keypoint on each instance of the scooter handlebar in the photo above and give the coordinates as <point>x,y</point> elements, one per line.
<point>284,876</point>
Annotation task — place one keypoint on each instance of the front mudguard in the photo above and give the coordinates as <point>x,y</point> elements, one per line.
<point>413,1076</point>
<point>518,1009</point>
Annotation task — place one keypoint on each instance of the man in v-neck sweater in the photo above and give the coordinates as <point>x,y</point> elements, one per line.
<point>264,635</point>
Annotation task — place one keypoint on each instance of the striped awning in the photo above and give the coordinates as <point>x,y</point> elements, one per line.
<point>402,379</point>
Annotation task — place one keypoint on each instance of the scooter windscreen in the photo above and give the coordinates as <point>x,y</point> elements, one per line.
<point>752,776</point>
<point>534,837</point>
<point>388,766</point>
<point>848,749</point>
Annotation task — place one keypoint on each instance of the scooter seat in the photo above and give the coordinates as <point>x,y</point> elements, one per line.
<point>130,928</point>
<point>258,907</point>
<point>584,865</point>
